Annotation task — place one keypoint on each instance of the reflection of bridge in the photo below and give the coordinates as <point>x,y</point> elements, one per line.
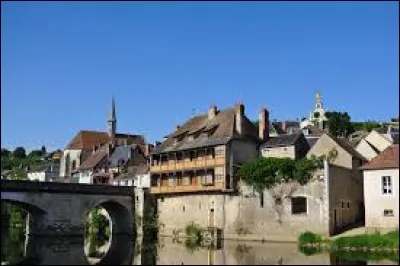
<point>40,250</point>
<point>60,209</point>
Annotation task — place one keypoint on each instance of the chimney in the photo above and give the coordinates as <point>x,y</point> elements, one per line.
<point>239,117</point>
<point>94,148</point>
<point>284,126</point>
<point>263,124</point>
<point>212,112</point>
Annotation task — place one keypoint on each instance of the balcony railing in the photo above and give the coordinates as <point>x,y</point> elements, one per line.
<point>184,165</point>
<point>188,188</point>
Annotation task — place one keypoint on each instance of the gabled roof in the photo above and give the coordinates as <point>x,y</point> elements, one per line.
<point>282,140</point>
<point>87,139</point>
<point>223,130</point>
<point>45,167</point>
<point>387,159</point>
<point>95,158</point>
<point>345,144</point>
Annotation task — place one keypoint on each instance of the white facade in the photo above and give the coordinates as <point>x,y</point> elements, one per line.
<point>142,181</point>
<point>381,196</point>
<point>70,161</point>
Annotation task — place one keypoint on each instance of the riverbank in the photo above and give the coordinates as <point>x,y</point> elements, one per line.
<point>375,242</point>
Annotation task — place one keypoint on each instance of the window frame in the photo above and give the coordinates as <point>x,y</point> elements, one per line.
<point>387,185</point>
<point>306,206</point>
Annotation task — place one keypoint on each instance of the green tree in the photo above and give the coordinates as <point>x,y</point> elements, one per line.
<point>339,123</point>
<point>5,153</point>
<point>35,153</point>
<point>19,152</point>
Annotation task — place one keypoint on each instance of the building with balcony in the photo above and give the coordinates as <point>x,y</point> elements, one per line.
<point>201,154</point>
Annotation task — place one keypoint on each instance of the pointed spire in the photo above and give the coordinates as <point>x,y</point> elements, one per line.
<point>112,113</point>
<point>112,121</point>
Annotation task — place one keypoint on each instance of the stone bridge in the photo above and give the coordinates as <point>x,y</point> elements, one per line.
<point>60,209</point>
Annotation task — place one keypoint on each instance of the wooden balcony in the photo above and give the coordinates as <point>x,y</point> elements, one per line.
<point>188,188</point>
<point>187,165</point>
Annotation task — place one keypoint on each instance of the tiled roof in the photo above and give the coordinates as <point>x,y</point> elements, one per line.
<point>345,144</point>
<point>311,141</point>
<point>387,159</point>
<point>45,167</point>
<point>282,140</point>
<point>87,139</point>
<point>218,130</point>
<point>95,158</point>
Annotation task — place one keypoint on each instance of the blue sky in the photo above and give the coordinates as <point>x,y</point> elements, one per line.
<point>62,61</point>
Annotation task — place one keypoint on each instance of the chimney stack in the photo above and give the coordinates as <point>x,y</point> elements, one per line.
<point>239,117</point>
<point>263,124</point>
<point>212,112</point>
<point>284,126</point>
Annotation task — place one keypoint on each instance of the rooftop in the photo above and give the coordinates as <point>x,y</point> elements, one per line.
<point>387,159</point>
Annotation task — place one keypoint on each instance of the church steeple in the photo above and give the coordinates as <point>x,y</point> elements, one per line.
<point>112,121</point>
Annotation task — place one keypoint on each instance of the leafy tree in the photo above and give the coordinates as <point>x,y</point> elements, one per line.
<point>35,153</point>
<point>339,123</point>
<point>5,153</point>
<point>367,126</point>
<point>19,152</point>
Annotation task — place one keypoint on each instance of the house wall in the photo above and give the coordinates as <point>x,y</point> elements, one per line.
<point>73,155</point>
<point>324,145</point>
<point>279,152</point>
<point>377,140</point>
<point>243,151</point>
<point>345,197</point>
<point>85,177</point>
<point>376,202</point>
<point>37,176</point>
<point>366,150</point>
<point>142,181</point>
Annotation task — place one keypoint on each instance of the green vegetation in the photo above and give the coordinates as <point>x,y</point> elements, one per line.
<point>193,236</point>
<point>366,247</point>
<point>365,126</point>
<point>376,240</point>
<point>264,173</point>
<point>339,123</point>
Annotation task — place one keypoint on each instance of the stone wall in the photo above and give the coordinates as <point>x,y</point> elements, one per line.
<point>244,216</point>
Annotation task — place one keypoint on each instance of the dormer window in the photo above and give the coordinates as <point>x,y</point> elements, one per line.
<point>190,138</point>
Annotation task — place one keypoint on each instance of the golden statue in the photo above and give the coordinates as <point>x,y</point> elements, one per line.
<point>318,97</point>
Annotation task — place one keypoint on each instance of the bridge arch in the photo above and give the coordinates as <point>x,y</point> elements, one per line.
<point>121,220</point>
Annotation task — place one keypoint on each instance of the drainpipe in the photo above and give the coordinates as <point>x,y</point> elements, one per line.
<point>326,188</point>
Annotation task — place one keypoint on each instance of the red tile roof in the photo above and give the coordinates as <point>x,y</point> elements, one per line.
<point>85,140</point>
<point>388,159</point>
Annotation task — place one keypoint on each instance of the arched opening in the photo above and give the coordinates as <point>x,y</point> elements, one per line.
<point>107,226</point>
<point>73,165</point>
<point>67,165</point>
<point>18,219</point>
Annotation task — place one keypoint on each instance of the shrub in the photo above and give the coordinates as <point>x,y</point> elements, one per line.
<point>193,230</point>
<point>309,237</point>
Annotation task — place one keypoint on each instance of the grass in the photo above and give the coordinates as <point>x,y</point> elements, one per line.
<point>366,247</point>
<point>375,240</point>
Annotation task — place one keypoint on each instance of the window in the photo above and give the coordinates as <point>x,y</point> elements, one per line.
<point>284,149</point>
<point>219,173</point>
<point>207,179</point>
<point>387,185</point>
<point>73,165</point>
<point>183,208</point>
<point>186,180</point>
<point>388,213</point>
<point>348,205</point>
<point>220,151</point>
<point>342,204</point>
<point>299,205</point>
<point>262,200</point>
<point>162,199</point>
<point>171,181</point>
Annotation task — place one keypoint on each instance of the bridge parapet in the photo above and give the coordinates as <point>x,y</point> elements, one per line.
<point>73,188</point>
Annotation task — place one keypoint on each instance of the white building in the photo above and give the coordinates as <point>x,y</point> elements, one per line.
<point>45,173</point>
<point>381,189</point>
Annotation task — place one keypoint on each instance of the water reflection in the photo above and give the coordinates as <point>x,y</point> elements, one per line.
<point>122,250</point>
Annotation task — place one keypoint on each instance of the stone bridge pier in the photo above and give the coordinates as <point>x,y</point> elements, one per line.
<point>60,209</point>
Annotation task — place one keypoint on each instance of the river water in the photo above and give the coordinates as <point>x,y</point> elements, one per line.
<point>17,248</point>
